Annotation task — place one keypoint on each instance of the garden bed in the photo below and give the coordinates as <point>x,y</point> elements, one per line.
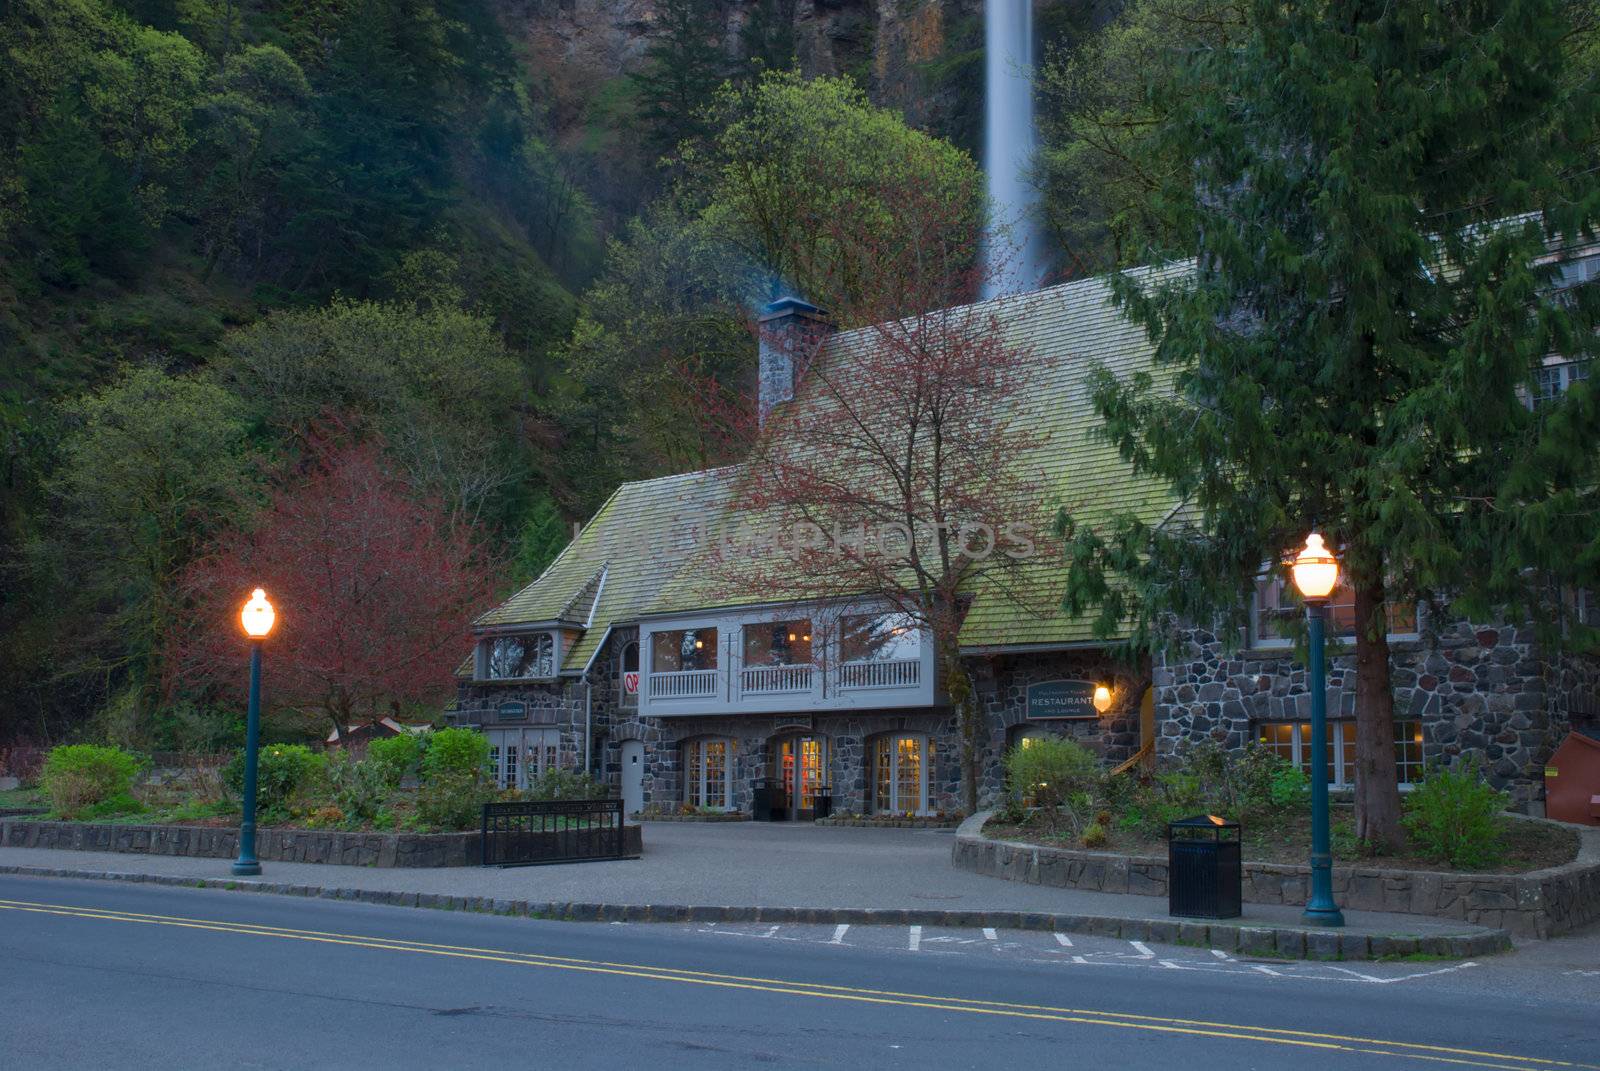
<point>1286,840</point>
<point>1538,903</point>
<point>889,821</point>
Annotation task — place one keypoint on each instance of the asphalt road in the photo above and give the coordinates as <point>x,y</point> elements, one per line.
<point>97,975</point>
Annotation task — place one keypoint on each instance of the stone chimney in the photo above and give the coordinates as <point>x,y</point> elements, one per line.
<point>790,330</point>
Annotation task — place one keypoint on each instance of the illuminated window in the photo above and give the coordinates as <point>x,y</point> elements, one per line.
<point>878,637</point>
<point>778,643</point>
<point>708,774</point>
<point>1291,741</point>
<point>900,774</point>
<point>683,649</point>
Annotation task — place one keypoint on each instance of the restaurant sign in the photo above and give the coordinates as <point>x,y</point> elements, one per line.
<point>1060,699</point>
<point>511,712</point>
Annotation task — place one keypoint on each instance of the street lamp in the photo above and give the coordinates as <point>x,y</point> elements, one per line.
<point>1316,573</point>
<point>257,618</point>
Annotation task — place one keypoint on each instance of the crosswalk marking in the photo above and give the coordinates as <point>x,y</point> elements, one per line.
<point>1143,950</point>
<point>838,933</point>
<point>1063,940</point>
<point>916,938</point>
<point>989,934</point>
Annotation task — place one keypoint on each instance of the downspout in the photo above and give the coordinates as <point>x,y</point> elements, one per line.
<point>588,711</point>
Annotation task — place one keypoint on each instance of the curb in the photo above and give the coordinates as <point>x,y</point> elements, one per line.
<point>1277,942</point>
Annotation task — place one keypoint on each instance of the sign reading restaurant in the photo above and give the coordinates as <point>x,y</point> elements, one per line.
<point>1061,699</point>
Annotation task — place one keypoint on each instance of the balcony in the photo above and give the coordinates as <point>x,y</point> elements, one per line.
<point>892,673</point>
<point>684,684</point>
<point>776,680</point>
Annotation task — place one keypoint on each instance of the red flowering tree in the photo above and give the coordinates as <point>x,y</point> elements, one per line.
<point>374,589</point>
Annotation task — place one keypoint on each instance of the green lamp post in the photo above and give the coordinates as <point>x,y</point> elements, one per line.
<point>257,618</point>
<point>1316,573</point>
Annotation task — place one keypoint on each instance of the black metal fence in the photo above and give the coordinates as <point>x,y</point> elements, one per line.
<point>552,831</point>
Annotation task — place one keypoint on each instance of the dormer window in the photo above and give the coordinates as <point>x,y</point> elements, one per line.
<point>530,655</point>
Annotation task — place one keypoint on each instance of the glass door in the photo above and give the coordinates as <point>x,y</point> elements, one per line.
<point>800,771</point>
<point>901,775</point>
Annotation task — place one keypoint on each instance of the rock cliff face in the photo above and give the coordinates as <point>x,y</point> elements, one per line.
<point>910,54</point>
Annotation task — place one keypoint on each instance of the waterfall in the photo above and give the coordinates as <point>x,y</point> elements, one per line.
<point>1016,258</point>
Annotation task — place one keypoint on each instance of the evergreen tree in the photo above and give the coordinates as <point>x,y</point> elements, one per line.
<point>1376,193</point>
<point>766,40</point>
<point>682,70</point>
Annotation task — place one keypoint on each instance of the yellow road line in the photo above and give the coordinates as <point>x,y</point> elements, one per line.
<point>1130,1021</point>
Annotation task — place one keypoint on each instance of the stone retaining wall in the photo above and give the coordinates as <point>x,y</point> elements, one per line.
<point>272,845</point>
<point>1542,903</point>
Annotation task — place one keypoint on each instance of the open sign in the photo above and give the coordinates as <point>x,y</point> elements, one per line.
<point>630,683</point>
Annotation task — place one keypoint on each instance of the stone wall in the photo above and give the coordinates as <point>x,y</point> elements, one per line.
<point>272,845</point>
<point>1480,690</point>
<point>1541,904</point>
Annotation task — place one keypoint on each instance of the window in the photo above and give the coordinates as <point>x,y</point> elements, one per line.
<point>878,637</point>
<point>520,756</point>
<point>707,774</point>
<point>1552,380</point>
<point>778,643</point>
<point>520,657</point>
<point>683,649</point>
<point>1291,741</point>
<point>1277,604</point>
<point>1026,735</point>
<point>1577,272</point>
<point>900,774</point>
<point>628,660</point>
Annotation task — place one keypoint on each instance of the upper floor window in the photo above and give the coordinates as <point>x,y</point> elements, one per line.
<point>1276,606</point>
<point>888,636</point>
<point>1552,380</point>
<point>683,649</point>
<point>1577,272</point>
<point>532,654</point>
<point>778,643</point>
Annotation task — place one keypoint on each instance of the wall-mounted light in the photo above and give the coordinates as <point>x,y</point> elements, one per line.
<point>1102,698</point>
<point>699,644</point>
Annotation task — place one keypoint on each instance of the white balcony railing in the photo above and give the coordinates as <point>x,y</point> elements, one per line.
<point>684,684</point>
<point>768,680</point>
<point>888,673</point>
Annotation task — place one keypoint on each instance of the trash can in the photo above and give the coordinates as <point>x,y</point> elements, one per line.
<point>822,803</point>
<point>765,800</point>
<point>1204,868</point>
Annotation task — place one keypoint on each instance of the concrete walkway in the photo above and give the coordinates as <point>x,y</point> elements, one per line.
<point>744,869</point>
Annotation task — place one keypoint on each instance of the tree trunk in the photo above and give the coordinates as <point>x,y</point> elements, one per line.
<point>959,686</point>
<point>1377,787</point>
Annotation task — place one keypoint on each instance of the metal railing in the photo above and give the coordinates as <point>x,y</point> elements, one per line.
<point>776,679</point>
<point>684,684</point>
<point>889,673</point>
<point>552,831</point>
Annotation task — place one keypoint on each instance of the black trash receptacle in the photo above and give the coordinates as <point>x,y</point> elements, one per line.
<point>1204,868</point>
<point>822,803</point>
<point>764,799</point>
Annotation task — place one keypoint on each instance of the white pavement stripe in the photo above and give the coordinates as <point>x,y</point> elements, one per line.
<point>1220,954</point>
<point>1268,970</point>
<point>989,934</point>
<point>1143,950</point>
<point>916,938</point>
<point>1064,940</point>
<point>1171,966</point>
<point>838,933</point>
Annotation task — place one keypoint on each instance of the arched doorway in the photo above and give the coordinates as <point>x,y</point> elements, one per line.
<point>800,767</point>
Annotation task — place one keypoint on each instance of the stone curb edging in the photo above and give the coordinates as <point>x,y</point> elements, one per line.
<point>869,822</point>
<point>1277,942</point>
<point>1539,903</point>
<point>715,818</point>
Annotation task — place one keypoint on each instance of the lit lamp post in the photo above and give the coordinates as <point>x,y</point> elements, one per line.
<point>1316,572</point>
<point>257,618</point>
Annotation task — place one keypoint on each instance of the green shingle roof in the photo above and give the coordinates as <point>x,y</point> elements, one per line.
<point>637,555</point>
<point>619,563</point>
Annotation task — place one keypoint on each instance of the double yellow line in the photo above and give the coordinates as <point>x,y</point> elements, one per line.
<point>1302,1039</point>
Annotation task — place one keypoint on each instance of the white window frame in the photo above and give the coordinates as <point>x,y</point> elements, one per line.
<point>696,784</point>
<point>518,756</point>
<point>924,771</point>
<point>546,637</point>
<point>1342,739</point>
<point>1552,379</point>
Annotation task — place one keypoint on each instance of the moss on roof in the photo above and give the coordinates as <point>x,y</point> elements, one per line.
<point>644,538</point>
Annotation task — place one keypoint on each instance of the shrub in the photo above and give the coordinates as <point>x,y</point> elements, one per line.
<point>1095,836</point>
<point>1454,817</point>
<point>460,752</point>
<point>395,756</point>
<point>452,800</point>
<point>564,784</point>
<point>284,773</point>
<point>359,788</point>
<point>78,777</point>
<point>1059,776</point>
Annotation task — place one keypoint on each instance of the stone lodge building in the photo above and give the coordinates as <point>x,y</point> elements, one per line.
<point>616,659</point>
